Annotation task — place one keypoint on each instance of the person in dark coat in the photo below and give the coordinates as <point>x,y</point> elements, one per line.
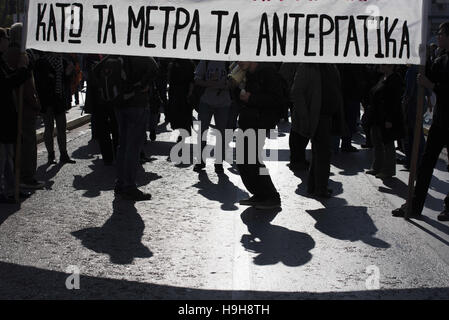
<point>132,115</point>
<point>30,111</point>
<point>437,80</point>
<point>181,80</point>
<point>105,128</point>
<point>385,119</point>
<point>259,100</point>
<point>9,81</point>
<point>52,73</point>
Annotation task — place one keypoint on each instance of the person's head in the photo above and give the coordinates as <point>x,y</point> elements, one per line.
<point>443,36</point>
<point>4,40</point>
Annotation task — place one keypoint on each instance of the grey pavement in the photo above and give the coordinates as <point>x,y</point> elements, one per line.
<point>194,241</point>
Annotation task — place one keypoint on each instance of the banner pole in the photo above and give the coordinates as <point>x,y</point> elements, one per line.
<point>419,112</point>
<point>20,112</point>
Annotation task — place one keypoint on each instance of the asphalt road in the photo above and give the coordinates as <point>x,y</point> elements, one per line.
<point>194,241</point>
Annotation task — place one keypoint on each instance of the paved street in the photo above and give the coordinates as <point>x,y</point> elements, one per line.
<point>194,241</point>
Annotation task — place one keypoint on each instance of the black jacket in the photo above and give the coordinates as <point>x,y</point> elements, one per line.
<point>9,80</point>
<point>438,73</point>
<point>386,106</point>
<point>261,110</point>
<point>141,72</point>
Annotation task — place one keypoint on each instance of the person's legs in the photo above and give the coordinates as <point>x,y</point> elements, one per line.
<point>322,141</point>
<point>205,117</point>
<point>29,149</point>
<point>49,124</point>
<point>434,145</point>
<point>61,129</point>
<point>257,180</point>
<point>122,146</point>
<point>378,148</point>
<point>136,119</point>
<point>7,178</point>
<point>221,115</point>
<point>389,164</point>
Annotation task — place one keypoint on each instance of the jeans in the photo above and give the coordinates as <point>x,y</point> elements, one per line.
<point>131,122</point>
<point>7,180</point>
<point>221,115</point>
<point>61,126</point>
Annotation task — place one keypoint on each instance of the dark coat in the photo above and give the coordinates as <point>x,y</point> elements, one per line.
<point>9,81</point>
<point>438,73</point>
<point>266,92</point>
<point>386,106</point>
<point>181,78</point>
<point>45,79</point>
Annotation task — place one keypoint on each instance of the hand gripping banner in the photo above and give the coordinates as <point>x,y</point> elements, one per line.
<point>327,31</point>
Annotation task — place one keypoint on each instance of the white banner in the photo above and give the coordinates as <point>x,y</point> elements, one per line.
<point>336,31</point>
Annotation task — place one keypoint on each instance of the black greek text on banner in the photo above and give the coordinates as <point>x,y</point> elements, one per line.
<point>328,31</point>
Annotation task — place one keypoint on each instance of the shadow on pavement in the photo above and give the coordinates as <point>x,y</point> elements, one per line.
<point>120,236</point>
<point>347,223</point>
<point>272,243</point>
<point>102,178</point>
<point>225,192</point>
<point>24,282</point>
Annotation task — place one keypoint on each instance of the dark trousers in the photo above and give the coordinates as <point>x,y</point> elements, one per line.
<point>131,122</point>
<point>61,126</point>
<point>408,145</point>
<point>28,159</point>
<point>298,145</point>
<point>255,177</point>
<point>436,140</point>
<point>321,157</point>
<point>107,126</point>
<point>352,111</point>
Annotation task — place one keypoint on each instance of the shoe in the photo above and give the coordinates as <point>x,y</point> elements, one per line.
<point>400,212</point>
<point>199,167</point>
<point>372,172</point>
<point>219,168</point>
<point>32,184</point>
<point>384,176</point>
<point>66,159</point>
<point>299,166</point>
<point>51,158</point>
<point>349,149</point>
<point>402,161</point>
<point>443,216</point>
<point>268,204</point>
<point>153,135</point>
<point>366,146</point>
<point>135,195</point>
<point>251,201</point>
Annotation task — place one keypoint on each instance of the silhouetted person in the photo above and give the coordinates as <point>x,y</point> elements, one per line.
<point>259,100</point>
<point>436,79</point>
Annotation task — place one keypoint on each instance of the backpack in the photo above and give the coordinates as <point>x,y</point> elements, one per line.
<point>111,78</point>
<point>198,91</point>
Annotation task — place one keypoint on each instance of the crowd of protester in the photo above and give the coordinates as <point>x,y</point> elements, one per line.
<point>125,95</point>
